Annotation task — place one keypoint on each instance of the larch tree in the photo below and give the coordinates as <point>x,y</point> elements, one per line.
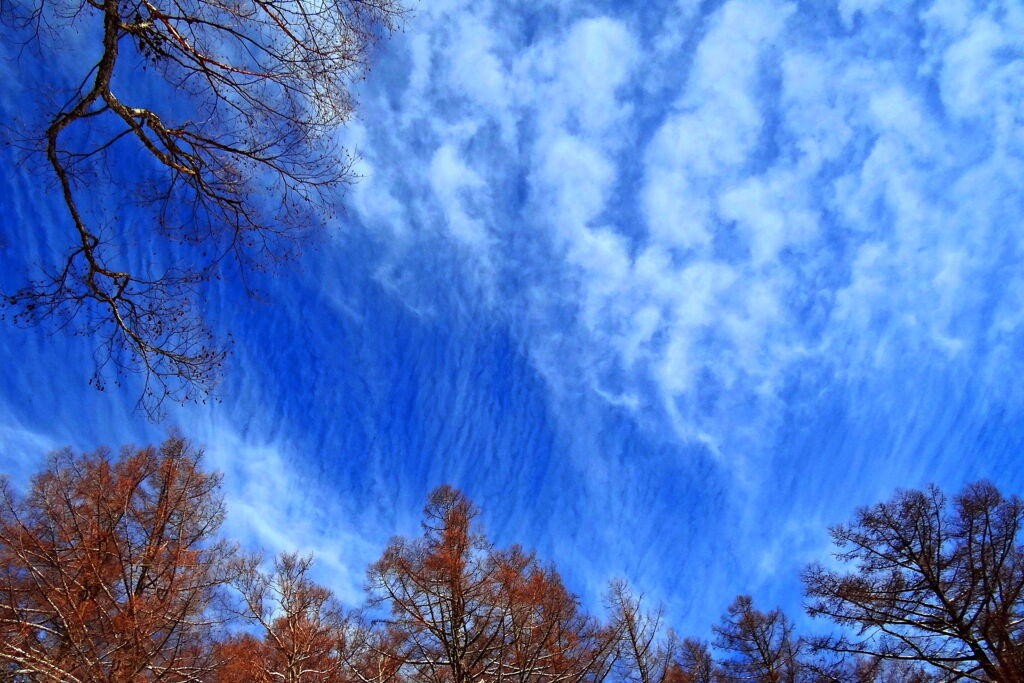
<point>466,612</point>
<point>439,591</point>
<point>110,570</point>
<point>370,653</point>
<point>761,645</point>
<point>878,670</point>
<point>545,634</point>
<point>647,651</point>
<point>696,665</point>
<point>932,583</point>
<point>231,160</point>
<point>301,625</point>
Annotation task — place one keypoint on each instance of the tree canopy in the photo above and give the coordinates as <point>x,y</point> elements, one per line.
<point>112,569</point>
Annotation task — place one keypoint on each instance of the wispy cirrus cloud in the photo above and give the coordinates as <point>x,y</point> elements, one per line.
<point>726,208</point>
<point>667,287</point>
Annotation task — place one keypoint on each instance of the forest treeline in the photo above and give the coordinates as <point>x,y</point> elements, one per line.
<point>112,569</point>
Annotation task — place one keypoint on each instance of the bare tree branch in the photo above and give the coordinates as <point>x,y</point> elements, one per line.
<point>239,167</point>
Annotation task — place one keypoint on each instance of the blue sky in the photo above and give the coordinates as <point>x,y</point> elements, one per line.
<point>666,287</point>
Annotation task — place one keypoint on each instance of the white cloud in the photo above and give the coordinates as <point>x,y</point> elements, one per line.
<point>371,195</point>
<point>23,450</point>
<point>716,128</point>
<point>571,82</point>
<point>575,178</point>
<point>272,506</point>
<point>974,75</point>
<point>787,204</point>
<point>598,58</point>
<point>678,215</point>
<point>453,181</point>
<point>474,69</point>
<point>773,213</point>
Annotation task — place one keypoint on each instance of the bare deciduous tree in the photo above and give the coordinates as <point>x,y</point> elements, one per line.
<point>878,670</point>
<point>931,583</point>
<point>236,164</point>
<point>109,570</point>
<point>646,654</point>
<point>762,644</point>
